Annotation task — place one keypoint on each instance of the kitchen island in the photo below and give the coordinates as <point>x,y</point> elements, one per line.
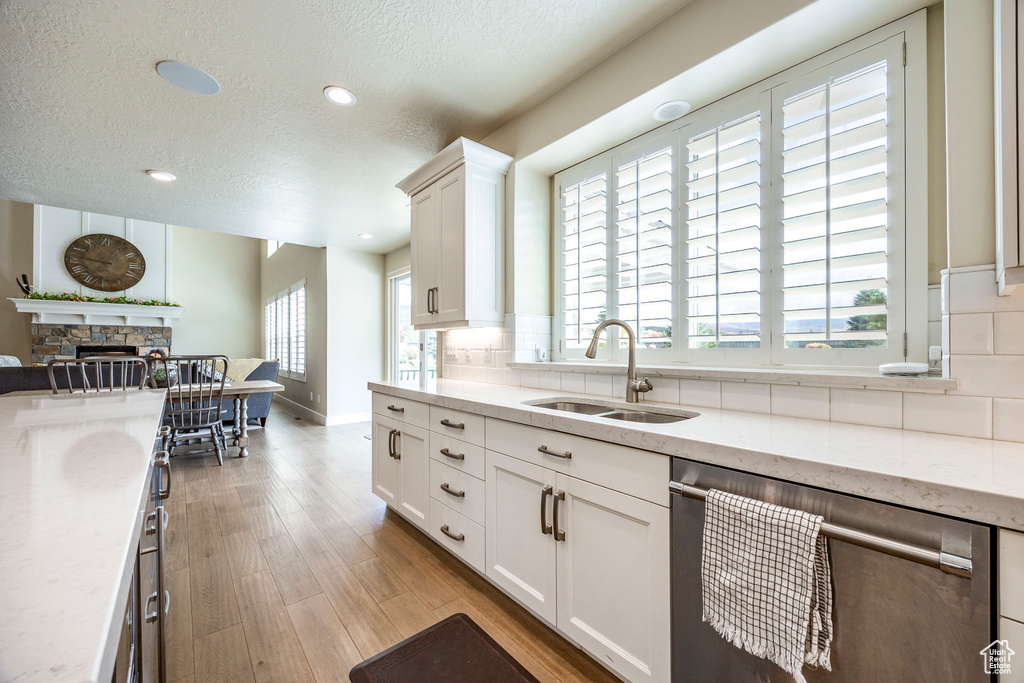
<point>74,477</point>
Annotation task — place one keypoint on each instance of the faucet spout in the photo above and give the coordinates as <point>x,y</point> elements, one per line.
<point>634,387</point>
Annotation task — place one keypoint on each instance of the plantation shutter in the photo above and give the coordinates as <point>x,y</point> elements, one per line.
<point>270,330</point>
<point>835,212</point>
<point>643,246</point>
<point>584,259</point>
<point>722,211</point>
<point>297,329</point>
<point>282,332</point>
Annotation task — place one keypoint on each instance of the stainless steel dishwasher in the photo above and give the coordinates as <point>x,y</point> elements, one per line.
<point>895,617</point>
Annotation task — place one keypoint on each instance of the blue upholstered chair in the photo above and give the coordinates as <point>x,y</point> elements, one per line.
<point>259,404</point>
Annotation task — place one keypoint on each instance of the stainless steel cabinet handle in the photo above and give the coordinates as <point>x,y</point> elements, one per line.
<point>453,456</point>
<point>162,461</point>
<point>454,425</point>
<point>391,443</point>
<point>565,456</point>
<point>155,614</point>
<point>452,492</point>
<point>545,528</point>
<point>396,409</point>
<point>167,602</point>
<point>454,537</point>
<point>150,524</point>
<point>559,534</point>
<point>430,294</point>
<point>397,455</point>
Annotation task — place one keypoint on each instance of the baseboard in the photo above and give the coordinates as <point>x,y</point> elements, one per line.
<point>302,411</point>
<point>349,418</point>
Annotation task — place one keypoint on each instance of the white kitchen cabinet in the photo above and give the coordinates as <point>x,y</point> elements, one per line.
<point>613,578</point>
<point>1009,134</point>
<point>520,547</point>
<point>457,259</point>
<point>401,467</point>
<point>591,561</point>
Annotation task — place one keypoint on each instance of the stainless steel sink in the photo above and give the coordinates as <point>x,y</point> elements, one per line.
<point>626,412</point>
<point>643,416</point>
<point>573,407</point>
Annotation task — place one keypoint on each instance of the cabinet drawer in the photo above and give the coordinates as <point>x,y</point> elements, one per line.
<point>402,409</point>
<point>638,473</point>
<point>471,504</point>
<point>1011,574</point>
<point>459,425</point>
<point>470,549</point>
<point>462,456</point>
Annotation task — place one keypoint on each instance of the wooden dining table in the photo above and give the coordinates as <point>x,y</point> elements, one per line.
<point>239,392</point>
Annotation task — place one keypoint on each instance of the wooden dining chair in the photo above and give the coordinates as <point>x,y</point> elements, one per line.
<point>98,374</point>
<point>195,395</point>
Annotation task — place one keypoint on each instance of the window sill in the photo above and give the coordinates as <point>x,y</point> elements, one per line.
<point>853,379</point>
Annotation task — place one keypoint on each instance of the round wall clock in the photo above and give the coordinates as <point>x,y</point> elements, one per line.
<point>105,262</point>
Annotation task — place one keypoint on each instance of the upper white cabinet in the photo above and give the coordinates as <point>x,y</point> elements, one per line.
<point>457,202</point>
<point>1009,69</point>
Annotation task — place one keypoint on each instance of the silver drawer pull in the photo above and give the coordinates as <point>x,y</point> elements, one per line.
<point>155,614</point>
<point>453,456</point>
<point>454,425</point>
<point>162,461</point>
<point>454,537</point>
<point>396,409</point>
<point>544,449</point>
<point>452,492</point>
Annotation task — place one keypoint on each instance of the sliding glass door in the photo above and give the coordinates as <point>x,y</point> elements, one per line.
<point>411,354</point>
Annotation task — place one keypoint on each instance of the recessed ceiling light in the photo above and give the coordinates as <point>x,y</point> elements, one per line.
<point>162,176</point>
<point>671,110</point>
<point>365,236</point>
<point>339,95</point>
<point>188,78</point>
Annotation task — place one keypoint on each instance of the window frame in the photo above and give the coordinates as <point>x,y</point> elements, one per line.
<point>904,44</point>
<point>278,344</point>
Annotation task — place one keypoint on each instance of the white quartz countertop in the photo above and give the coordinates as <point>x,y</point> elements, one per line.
<point>974,479</point>
<point>73,477</point>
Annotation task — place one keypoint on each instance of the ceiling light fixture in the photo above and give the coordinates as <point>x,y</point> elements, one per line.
<point>671,110</point>
<point>339,95</point>
<point>188,78</point>
<point>162,176</point>
<point>366,236</point>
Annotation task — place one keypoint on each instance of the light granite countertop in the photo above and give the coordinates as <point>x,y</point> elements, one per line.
<point>974,479</point>
<point>73,480</point>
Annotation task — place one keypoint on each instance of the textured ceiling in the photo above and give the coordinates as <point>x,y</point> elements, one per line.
<point>83,112</point>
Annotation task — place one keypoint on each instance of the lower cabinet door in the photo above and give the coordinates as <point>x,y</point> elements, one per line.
<point>520,550</point>
<point>385,468</point>
<point>414,470</point>
<point>613,578</point>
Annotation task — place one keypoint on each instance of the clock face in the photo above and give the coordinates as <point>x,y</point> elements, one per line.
<point>105,262</point>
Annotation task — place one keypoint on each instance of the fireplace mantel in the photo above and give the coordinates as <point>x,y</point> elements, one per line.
<point>45,311</point>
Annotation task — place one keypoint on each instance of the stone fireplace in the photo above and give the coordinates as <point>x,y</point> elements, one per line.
<point>57,340</point>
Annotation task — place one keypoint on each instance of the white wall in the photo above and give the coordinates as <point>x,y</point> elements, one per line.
<point>55,228</point>
<point>355,327</point>
<point>216,278</point>
<point>15,260</point>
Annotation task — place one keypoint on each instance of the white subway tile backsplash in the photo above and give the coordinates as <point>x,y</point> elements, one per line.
<point>747,396</point>
<point>529,378</point>
<point>494,375</point>
<point>700,392</point>
<point>1008,419</point>
<point>796,401</point>
<point>999,376</point>
<point>946,414</point>
<point>876,408</point>
<point>574,382</point>
<point>970,333</point>
<point>1009,333</point>
<point>666,390</point>
<point>510,377</point>
<point>935,333</point>
<point>976,292</point>
<point>552,381</point>
<point>934,303</point>
<point>599,385</point>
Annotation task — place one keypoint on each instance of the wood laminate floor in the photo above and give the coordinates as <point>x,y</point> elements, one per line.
<point>283,567</point>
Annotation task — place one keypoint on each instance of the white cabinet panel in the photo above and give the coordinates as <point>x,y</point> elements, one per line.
<point>413,443</point>
<point>520,555</point>
<point>1011,576</point>
<point>465,457</point>
<point>55,229</point>
<point>402,409</point>
<point>424,248</point>
<point>446,485</point>
<point>450,276</point>
<point>613,578</point>
<point>152,240</point>
<point>385,467</point>
<point>464,537</point>
<point>460,425</point>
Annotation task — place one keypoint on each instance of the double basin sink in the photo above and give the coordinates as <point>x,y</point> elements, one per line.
<point>625,412</point>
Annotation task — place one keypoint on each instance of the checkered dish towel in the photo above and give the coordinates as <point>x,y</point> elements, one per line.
<point>766,581</point>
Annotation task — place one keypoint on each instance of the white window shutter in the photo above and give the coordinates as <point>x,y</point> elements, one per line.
<point>584,247</point>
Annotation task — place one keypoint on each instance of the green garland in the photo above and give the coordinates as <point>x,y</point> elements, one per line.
<point>69,296</point>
